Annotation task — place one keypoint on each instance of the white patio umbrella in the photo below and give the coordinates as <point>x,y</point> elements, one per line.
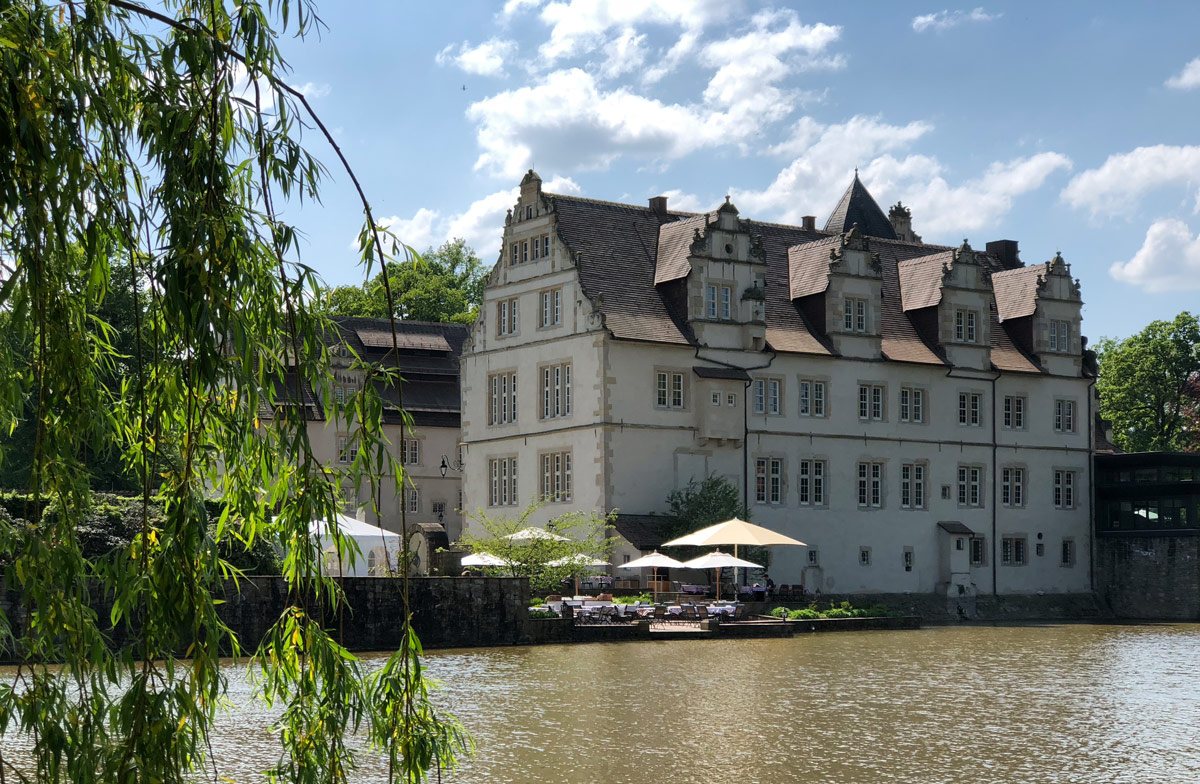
<point>526,534</point>
<point>655,560</point>
<point>734,532</point>
<point>718,560</point>
<point>483,559</point>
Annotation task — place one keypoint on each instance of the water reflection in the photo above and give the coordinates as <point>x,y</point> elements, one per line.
<point>1027,704</point>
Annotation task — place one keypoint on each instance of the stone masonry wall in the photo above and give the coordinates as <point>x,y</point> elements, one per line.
<point>1149,578</point>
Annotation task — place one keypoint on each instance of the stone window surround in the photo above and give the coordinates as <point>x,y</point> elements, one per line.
<point>1074,415</point>
<point>827,399</point>
<point>961,484</point>
<point>1014,414</point>
<point>719,283</point>
<point>1014,537</point>
<point>912,388</point>
<point>813,460</point>
<point>982,408</point>
<point>912,506</point>
<point>567,397</point>
<point>871,384</point>
<point>669,370</point>
<point>1024,484</point>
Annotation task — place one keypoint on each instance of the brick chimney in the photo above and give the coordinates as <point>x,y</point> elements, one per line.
<point>658,205</point>
<point>809,223</point>
<point>1006,251</point>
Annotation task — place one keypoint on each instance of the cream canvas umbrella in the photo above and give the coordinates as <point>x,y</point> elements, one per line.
<point>655,560</point>
<point>483,559</point>
<point>718,560</point>
<point>526,534</point>
<point>734,532</point>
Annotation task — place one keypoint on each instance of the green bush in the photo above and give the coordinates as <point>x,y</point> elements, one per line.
<point>803,614</point>
<point>644,598</point>
<point>779,612</point>
<point>536,601</point>
<point>838,612</point>
<point>542,614</point>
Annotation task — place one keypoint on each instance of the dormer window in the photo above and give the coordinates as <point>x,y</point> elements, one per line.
<point>516,253</point>
<point>524,251</point>
<point>966,329</point>
<point>1060,336</point>
<point>717,301</point>
<point>854,315</point>
<point>528,212</point>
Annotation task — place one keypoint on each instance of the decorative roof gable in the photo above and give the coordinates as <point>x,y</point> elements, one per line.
<point>858,208</point>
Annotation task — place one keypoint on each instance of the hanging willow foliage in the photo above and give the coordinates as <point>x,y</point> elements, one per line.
<point>163,141</point>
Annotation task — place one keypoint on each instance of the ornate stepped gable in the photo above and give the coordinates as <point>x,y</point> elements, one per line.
<point>629,256</point>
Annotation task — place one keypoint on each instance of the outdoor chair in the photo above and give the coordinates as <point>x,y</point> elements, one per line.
<point>660,614</point>
<point>785,592</point>
<point>702,612</point>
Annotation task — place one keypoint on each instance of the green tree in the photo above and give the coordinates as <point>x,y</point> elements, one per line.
<point>169,142</point>
<point>1148,385</point>
<point>701,504</point>
<point>443,284</point>
<point>570,542</point>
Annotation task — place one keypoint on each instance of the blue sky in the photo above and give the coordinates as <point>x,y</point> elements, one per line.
<point>1068,126</point>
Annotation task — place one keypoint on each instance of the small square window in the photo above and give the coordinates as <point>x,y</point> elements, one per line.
<point>864,556</point>
<point>731,400</point>
<point>812,557</point>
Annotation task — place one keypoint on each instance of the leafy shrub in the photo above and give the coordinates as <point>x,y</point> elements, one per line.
<point>779,612</point>
<point>536,601</point>
<point>803,614</point>
<point>543,614</point>
<point>644,598</point>
<point>838,612</point>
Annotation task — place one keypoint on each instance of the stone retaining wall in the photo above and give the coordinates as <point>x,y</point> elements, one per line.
<point>1149,578</point>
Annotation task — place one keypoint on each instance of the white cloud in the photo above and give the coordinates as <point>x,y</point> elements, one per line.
<point>684,202</point>
<point>624,54</point>
<point>514,7</point>
<point>486,59</point>
<point>1122,179</point>
<point>1188,78</point>
<point>481,224</point>
<point>825,157</point>
<point>944,20</point>
<point>313,89</point>
<point>581,26</point>
<point>1169,259</point>
<point>572,122</point>
<point>674,56</point>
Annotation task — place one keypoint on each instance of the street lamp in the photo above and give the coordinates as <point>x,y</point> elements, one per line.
<point>447,464</point>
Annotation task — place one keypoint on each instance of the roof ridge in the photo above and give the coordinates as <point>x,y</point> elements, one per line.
<point>642,207</point>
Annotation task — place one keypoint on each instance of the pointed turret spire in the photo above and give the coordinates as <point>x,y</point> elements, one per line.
<point>857,207</point>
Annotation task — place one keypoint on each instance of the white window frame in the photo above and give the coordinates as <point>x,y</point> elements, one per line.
<point>502,398</point>
<point>1014,412</point>
<point>710,301</point>
<point>1012,486</point>
<point>556,390</point>
<point>912,404</point>
<point>870,485</point>
<point>669,391</point>
<point>1060,336</point>
<point>503,474</point>
<point>856,315</point>
<point>768,480</point>
<point>966,326</point>
<point>551,308</point>
<point>912,485</point>
<point>1066,552</point>
<point>1064,488</point>
<point>1014,551</point>
<point>1064,415</point>
<point>970,409</point>
<point>726,303</point>
<point>970,486</point>
<point>412,498</point>
<point>716,398</point>
<point>556,476</point>
<point>872,402</point>
<point>812,482</point>
<point>977,544</point>
<point>812,398</point>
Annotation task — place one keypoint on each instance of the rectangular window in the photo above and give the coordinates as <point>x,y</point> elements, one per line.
<point>669,391</point>
<point>760,396</point>
<point>551,314</point>
<point>502,317</point>
<point>912,404</point>
<point>410,451</point>
<point>970,409</point>
<point>438,509</point>
<point>966,326</point>
<point>970,486</point>
<point>556,477</point>
<point>545,245</point>
<point>813,558</point>
<point>870,485</point>
<point>1064,416</point>
<point>731,400</point>
<point>502,390</point>
<point>716,398</point>
<point>726,299</point>
<point>1060,336</point>
<point>864,556</point>
<point>1064,489</point>
<point>912,485</point>
<point>1067,553</point>
<point>1014,413</point>
<point>870,402</point>
<point>978,551</point>
<point>1013,551</point>
<point>812,398</point>
<point>516,254</point>
<point>524,251</point>
<point>773,395</point>
<point>504,481</point>
<point>556,391</point>
<point>768,480</point>
<point>812,482</point>
<point>537,246</point>
<point>1012,486</point>
<point>414,500</point>
<point>710,301</point>
<point>855,315</point>
<point>347,450</point>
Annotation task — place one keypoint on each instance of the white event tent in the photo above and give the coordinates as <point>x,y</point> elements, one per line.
<point>378,550</point>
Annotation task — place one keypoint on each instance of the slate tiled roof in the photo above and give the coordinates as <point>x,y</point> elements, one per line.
<point>858,208</point>
<point>732,374</point>
<point>921,280</point>
<point>645,532</point>
<point>1016,290</point>
<point>674,247</point>
<point>618,247</point>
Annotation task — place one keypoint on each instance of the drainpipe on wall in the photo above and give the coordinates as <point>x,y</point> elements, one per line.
<point>995,496</point>
<point>1091,472</point>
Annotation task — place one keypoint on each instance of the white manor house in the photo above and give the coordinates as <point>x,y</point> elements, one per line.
<point>921,416</point>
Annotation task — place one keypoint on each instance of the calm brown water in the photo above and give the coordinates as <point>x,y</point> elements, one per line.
<point>1063,704</point>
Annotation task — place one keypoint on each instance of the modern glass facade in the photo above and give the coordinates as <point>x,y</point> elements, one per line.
<point>1148,492</point>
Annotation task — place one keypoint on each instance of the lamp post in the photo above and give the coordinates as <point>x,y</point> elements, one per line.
<point>448,464</point>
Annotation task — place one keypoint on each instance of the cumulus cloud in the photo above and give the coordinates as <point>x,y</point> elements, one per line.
<point>571,121</point>
<point>581,26</point>
<point>679,51</point>
<point>826,155</point>
<point>685,202</point>
<point>486,59</point>
<point>623,54</point>
<point>313,89</point>
<point>1188,78</point>
<point>944,20</point>
<point>1122,179</point>
<point>1169,259</point>
<point>481,224</point>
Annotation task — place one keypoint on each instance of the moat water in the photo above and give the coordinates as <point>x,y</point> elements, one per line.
<point>1068,704</point>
